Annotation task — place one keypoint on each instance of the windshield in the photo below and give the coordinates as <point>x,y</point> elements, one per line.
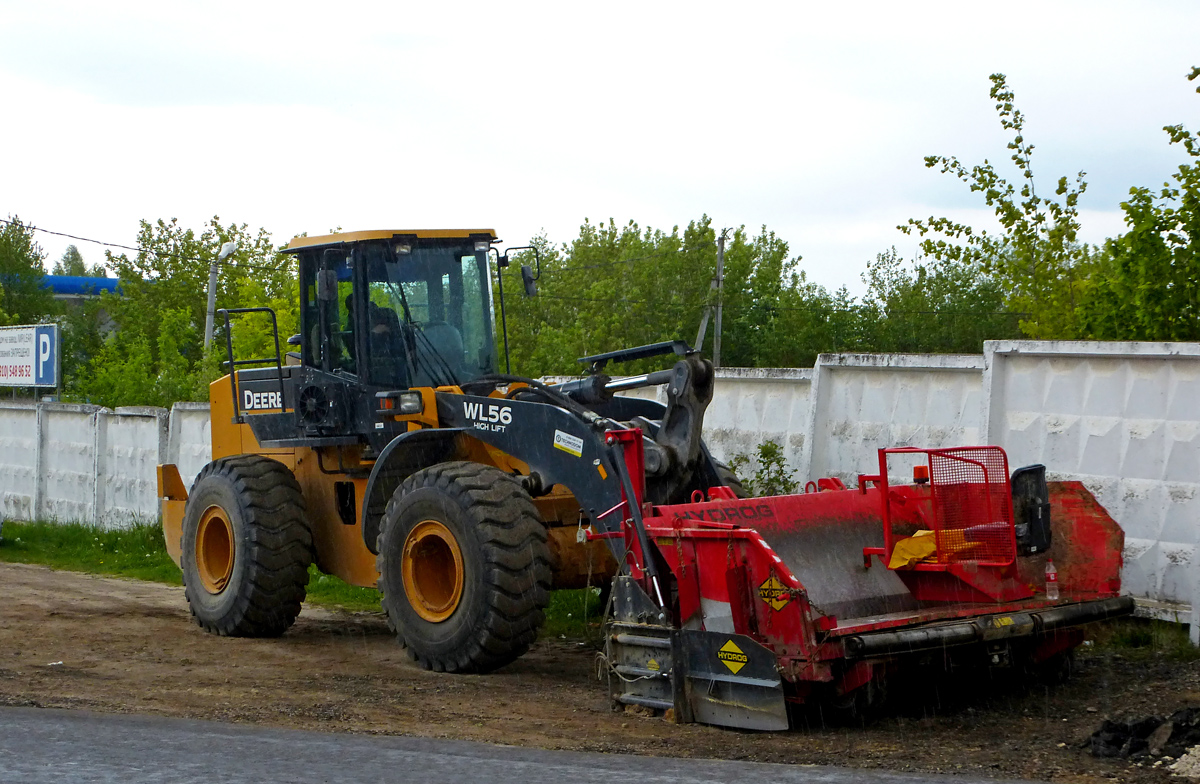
<point>430,321</point>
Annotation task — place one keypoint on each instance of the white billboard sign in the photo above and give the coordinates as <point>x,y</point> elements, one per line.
<point>29,356</point>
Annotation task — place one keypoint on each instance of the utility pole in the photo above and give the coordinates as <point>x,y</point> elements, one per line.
<point>226,250</point>
<point>720,297</point>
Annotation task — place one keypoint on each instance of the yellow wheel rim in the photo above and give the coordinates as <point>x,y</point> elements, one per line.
<point>214,549</point>
<point>432,569</point>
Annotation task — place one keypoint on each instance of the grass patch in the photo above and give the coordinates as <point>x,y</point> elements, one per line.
<point>136,552</point>
<point>329,591</point>
<point>139,552</point>
<point>567,611</point>
<point>1143,638</point>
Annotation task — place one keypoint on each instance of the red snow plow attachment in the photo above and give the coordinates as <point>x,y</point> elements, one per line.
<point>804,597</point>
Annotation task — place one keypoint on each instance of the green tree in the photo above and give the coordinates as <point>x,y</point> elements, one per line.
<point>1149,286</point>
<point>22,295</point>
<point>72,263</point>
<point>941,306</point>
<point>612,287</point>
<point>154,354</point>
<point>771,474</point>
<point>620,286</point>
<point>1037,259</point>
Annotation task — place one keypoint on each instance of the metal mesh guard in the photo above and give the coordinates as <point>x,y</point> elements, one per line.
<point>972,506</point>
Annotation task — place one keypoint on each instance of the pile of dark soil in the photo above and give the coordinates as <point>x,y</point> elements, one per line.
<point>1147,737</point>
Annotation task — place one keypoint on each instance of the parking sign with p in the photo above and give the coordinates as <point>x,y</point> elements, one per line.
<point>29,356</point>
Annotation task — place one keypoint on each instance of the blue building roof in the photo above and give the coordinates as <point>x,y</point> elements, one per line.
<point>80,285</point>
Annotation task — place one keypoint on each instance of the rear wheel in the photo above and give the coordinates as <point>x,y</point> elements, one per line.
<point>464,567</point>
<point>246,547</point>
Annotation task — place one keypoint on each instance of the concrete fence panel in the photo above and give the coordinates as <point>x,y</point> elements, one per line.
<point>1124,418</point>
<point>862,402</point>
<point>189,442</point>
<point>71,466</point>
<point>753,405</point>
<point>135,443</point>
<point>20,446</point>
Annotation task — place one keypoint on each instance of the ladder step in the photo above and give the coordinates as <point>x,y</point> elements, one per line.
<point>641,672</point>
<point>645,702</point>
<point>642,641</point>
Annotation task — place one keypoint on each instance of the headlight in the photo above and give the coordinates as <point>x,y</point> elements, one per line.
<point>411,403</point>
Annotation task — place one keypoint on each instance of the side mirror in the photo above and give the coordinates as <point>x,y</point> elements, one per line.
<point>294,340</point>
<point>327,285</point>
<point>528,280</point>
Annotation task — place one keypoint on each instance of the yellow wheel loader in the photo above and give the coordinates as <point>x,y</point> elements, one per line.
<point>387,448</point>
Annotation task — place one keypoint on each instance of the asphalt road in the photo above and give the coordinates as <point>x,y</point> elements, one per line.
<point>71,746</point>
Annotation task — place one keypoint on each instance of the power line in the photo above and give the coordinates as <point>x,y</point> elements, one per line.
<point>226,263</point>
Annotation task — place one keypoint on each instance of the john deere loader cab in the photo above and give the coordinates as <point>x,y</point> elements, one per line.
<point>380,311</point>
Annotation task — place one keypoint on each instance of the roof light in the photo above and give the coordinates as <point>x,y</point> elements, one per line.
<point>481,246</point>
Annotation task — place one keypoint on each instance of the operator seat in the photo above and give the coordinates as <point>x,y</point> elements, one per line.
<point>387,350</point>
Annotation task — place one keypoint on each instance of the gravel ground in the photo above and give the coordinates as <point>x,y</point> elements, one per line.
<point>70,640</point>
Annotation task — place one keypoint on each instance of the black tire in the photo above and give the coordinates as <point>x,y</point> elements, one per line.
<point>504,574</point>
<point>730,479</point>
<point>270,548</point>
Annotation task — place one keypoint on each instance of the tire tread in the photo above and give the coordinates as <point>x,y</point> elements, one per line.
<point>278,549</point>
<point>516,574</point>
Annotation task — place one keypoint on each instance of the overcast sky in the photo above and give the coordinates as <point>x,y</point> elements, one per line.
<point>811,118</point>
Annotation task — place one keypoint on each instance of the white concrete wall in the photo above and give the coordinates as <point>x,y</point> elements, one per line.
<point>189,443</point>
<point>80,463</point>
<point>134,443</point>
<point>753,405</point>
<point>19,453</point>
<point>71,473</point>
<point>866,401</point>
<point>1124,418</point>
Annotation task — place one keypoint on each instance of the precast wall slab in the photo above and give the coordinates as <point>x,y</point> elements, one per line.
<point>753,405</point>
<point>71,441</point>
<point>861,402</point>
<point>19,453</point>
<point>134,442</point>
<point>80,463</point>
<point>189,443</point>
<point>1124,418</point>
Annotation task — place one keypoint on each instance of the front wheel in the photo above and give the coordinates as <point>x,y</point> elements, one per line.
<point>246,547</point>
<point>464,567</point>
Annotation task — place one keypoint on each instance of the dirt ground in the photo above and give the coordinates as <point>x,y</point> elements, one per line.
<point>70,640</point>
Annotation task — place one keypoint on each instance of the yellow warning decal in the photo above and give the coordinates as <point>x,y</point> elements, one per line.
<point>732,657</point>
<point>774,593</point>
<point>652,665</point>
<point>1001,622</point>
